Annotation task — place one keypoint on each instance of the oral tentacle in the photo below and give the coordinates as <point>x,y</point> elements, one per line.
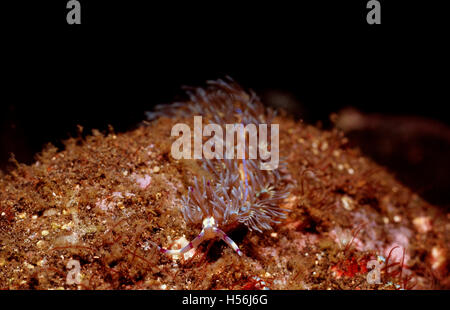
<point>227,240</point>
<point>191,245</point>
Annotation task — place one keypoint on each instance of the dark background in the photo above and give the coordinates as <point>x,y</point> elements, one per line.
<point>128,56</point>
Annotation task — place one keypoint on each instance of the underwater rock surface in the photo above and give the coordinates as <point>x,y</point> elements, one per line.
<point>105,200</point>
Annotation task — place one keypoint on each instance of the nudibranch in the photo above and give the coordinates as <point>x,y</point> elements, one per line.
<point>239,191</point>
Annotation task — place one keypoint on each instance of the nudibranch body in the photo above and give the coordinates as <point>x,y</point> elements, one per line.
<point>239,191</point>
